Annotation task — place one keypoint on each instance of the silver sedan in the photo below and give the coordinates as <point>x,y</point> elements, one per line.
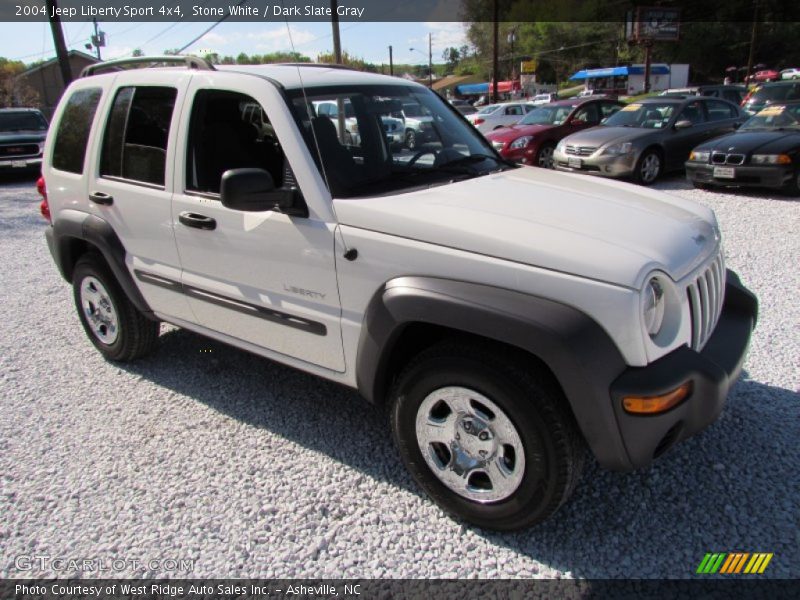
<point>647,138</point>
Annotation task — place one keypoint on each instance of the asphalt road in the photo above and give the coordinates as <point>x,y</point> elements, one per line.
<point>243,467</point>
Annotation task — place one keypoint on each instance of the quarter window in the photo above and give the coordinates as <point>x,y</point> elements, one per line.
<point>73,130</point>
<point>135,144</point>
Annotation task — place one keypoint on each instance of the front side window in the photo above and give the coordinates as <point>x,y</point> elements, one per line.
<point>135,143</point>
<point>514,110</point>
<point>693,113</point>
<point>73,130</point>
<point>224,135</point>
<point>587,114</point>
<point>372,151</point>
<point>720,111</point>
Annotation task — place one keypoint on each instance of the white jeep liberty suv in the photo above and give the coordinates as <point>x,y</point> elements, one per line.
<point>507,317</point>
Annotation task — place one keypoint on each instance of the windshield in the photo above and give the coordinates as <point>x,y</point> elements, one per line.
<point>775,117</point>
<point>368,155</point>
<point>547,115</point>
<point>22,121</point>
<point>774,92</point>
<point>488,109</point>
<point>653,115</point>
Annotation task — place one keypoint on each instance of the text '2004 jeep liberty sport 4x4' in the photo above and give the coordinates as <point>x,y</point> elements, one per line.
<point>506,316</point>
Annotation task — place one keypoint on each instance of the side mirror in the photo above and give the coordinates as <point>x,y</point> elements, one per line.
<point>253,190</point>
<point>684,124</point>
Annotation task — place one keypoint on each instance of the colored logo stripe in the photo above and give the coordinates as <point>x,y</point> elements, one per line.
<point>733,563</point>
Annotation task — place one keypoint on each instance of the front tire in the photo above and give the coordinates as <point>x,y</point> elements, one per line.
<point>490,439</point>
<point>544,158</point>
<point>792,188</point>
<point>111,321</point>
<point>648,168</point>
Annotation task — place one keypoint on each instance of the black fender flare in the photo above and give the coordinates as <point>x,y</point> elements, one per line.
<point>97,232</point>
<point>581,355</point>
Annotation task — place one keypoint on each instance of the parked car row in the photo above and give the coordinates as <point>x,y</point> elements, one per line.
<point>22,135</point>
<point>713,139</point>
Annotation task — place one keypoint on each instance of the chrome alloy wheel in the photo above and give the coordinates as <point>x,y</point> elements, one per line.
<point>99,310</point>
<point>651,165</point>
<point>546,157</point>
<point>470,444</point>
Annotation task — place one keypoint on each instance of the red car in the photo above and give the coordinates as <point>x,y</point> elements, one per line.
<point>532,140</point>
<point>765,75</point>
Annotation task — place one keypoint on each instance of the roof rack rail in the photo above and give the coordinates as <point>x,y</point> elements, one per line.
<point>319,65</point>
<point>190,62</point>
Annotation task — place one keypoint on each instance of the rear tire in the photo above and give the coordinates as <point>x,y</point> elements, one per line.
<point>510,453</point>
<point>111,321</point>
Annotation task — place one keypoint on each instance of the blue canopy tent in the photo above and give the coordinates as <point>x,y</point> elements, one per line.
<point>618,72</point>
<point>470,89</point>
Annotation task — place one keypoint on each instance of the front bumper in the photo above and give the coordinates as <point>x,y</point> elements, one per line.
<point>597,164</point>
<point>774,176</point>
<point>22,163</point>
<point>712,372</point>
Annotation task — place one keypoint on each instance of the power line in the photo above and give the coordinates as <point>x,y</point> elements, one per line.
<point>185,46</point>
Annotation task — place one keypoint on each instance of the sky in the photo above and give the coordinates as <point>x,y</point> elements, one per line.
<point>33,41</point>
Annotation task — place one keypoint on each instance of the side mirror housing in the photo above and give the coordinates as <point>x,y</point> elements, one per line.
<point>253,190</point>
<point>684,124</point>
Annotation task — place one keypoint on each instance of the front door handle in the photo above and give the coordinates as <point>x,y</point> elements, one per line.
<point>191,219</point>
<point>101,198</point>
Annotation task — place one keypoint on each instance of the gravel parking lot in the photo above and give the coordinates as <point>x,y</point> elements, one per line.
<point>248,468</point>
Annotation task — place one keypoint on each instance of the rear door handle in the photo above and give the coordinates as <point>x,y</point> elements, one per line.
<point>101,198</point>
<point>197,221</point>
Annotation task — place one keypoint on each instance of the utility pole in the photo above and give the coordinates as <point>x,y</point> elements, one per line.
<point>391,62</point>
<point>97,40</point>
<point>58,42</point>
<point>495,60</point>
<point>752,43</point>
<point>430,61</point>
<point>337,46</point>
<point>648,44</point>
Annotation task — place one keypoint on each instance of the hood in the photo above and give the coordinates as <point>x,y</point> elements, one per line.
<point>604,230</point>
<point>602,135</point>
<point>510,133</point>
<point>22,137</point>
<point>745,142</point>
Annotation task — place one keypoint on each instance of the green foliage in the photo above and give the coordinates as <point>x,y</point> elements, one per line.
<point>12,91</point>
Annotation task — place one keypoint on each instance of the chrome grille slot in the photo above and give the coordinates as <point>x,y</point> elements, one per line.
<point>706,295</point>
<point>580,150</point>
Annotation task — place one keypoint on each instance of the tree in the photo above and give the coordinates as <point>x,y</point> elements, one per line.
<point>137,52</point>
<point>451,56</point>
<point>350,61</point>
<point>12,91</point>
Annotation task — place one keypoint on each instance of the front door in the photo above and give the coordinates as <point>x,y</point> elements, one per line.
<point>266,278</point>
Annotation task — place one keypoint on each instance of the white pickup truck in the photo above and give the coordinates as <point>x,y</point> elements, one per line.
<point>507,317</point>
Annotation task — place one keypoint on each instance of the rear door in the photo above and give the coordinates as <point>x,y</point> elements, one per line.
<point>130,180</point>
<point>265,278</point>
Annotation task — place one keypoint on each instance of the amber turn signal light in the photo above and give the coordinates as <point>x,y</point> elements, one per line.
<point>651,405</point>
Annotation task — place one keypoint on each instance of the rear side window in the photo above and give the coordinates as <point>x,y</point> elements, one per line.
<point>73,130</point>
<point>135,143</point>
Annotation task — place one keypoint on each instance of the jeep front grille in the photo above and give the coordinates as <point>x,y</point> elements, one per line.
<point>706,295</point>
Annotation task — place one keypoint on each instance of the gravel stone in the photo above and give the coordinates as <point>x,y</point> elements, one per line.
<point>253,469</point>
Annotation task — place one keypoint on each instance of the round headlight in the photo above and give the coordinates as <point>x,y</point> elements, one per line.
<point>653,307</point>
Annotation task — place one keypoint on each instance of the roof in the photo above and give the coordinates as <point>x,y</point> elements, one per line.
<point>54,60</point>
<point>314,75</point>
<point>658,69</point>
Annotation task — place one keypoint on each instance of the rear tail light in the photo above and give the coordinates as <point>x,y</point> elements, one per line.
<point>478,121</point>
<point>44,207</point>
